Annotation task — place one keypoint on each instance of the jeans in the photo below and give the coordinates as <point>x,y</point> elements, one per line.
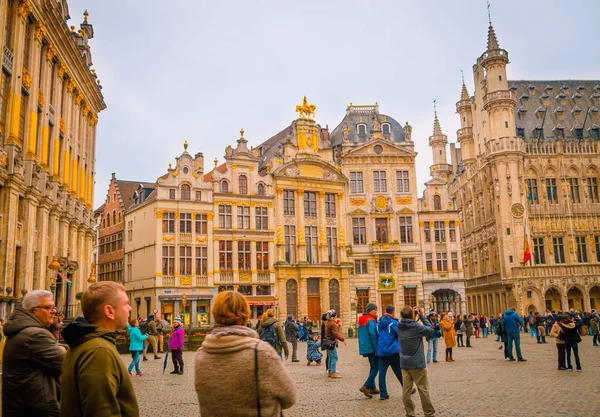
<point>433,342</point>
<point>484,331</point>
<point>459,340</point>
<point>374,363</point>
<point>596,338</point>
<point>532,330</point>
<point>177,358</point>
<point>327,361</point>
<point>516,337</point>
<point>333,358</point>
<point>135,361</point>
<point>468,340</point>
<point>560,347</point>
<point>385,362</point>
<point>575,350</point>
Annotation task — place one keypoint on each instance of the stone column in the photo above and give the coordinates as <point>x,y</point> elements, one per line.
<point>322,228</point>
<point>302,297</point>
<point>43,225</point>
<point>14,109</point>
<point>28,245</point>
<point>282,298</point>
<point>193,313</point>
<point>11,210</point>
<point>345,300</point>
<point>300,241</point>
<point>324,294</point>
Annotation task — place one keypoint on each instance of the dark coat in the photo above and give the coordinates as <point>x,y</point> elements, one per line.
<point>31,367</point>
<point>501,330</point>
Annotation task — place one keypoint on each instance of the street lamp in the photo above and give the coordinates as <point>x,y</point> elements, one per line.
<point>91,279</point>
<point>54,266</point>
<point>184,301</point>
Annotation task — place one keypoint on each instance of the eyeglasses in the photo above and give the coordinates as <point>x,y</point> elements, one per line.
<point>48,308</point>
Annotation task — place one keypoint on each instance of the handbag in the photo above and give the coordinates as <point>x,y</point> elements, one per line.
<point>328,344</point>
<point>256,381</point>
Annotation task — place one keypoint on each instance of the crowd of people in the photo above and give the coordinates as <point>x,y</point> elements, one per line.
<point>76,370</point>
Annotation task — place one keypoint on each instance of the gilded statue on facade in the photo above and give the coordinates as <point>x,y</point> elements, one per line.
<point>306,111</point>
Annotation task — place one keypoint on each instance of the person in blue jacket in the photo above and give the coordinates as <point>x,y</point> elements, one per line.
<point>388,349</point>
<point>136,346</point>
<point>512,323</point>
<point>367,347</point>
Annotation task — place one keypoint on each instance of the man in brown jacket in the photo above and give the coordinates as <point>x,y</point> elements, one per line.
<point>332,333</point>
<point>560,344</point>
<point>32,359</point>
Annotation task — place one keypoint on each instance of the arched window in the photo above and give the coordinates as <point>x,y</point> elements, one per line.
<point>114,221</point>
<point>185,192</point>
<point>437,202</point>
<point>224,186</point>
<point>386,128</point>
<point>361,129</point>
<point>334,295</point>
<point>119,217</point>
<point>291,297</point>
<point>107,219</point>
<point>243,184</point>
<point>261,189</point>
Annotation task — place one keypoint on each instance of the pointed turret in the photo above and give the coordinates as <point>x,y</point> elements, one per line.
<point>437,130</point>
<point>492,43</point>
<point>438,142</point>
<point>464,94</point>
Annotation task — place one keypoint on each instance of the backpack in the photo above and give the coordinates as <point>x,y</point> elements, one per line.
<point>269,335</point>
<point>463,328</point>
<point>144,327</point>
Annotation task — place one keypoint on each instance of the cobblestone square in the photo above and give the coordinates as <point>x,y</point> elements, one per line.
<point>479,383</point>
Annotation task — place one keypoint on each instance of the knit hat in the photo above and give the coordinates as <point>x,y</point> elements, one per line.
<point>371,307</point>
<point>331,313</point>
<point>177,320</point>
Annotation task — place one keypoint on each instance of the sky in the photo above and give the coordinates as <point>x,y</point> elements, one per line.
<point>200,70</point>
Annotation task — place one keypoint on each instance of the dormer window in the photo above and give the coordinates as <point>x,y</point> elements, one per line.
<point>260,190</point>
<point>559,132</point>
<point>578,133</point>
<point>595,132</point>
<point>437,202</point>
<point>386,128</point>
<point>520,132</point>
<point>243,184</point>
<point>185,192</point>
<point>361,129</point>
<point>224,186</point>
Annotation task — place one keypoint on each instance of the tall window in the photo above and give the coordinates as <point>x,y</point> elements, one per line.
<point>385,266</point>
<point>439,231</point>
<point>574,188</point>
<point>168,260</point>
<point>410,296</point>
<point>224,186</point>
<point>402,184</point>
<point>385,128</point>
<point>379,182</point>
<point>359,231</point>
<point>406,235</point>
<point>362,296</point>
<point>427,231</point>
<point>201,260</point>
<point>408,264</point>
<point>332,243</point>
<point>288,203</point>
<point>244,255</point>
<point>225,255</point>
<point>289,233</point>
<point>329,205</point>
<point>381,229</point>
<point>262,220</point>
<point>356,183</point>
<point>171,194</point>
<point>360,266</point>
<point>551,191</point>
<point>198,195</point>
<point>185,260</point>
<point>539,257</point>
<point>168,222</point>
<point>4,97</point>
<point>243,184</point>
<point>243,217</point>
<point>310,204</point>
<point>262,256</point>
<point>597,244</point>
<point>442,261</point>
<point>559,250</point>
<point>310,233</point>
<point>454,259</point>
<point>428,261</point>
<point>186,192</point>
<point>532,190</point>
<point>224,217</point>
<point>437,202</point>
<point>592,184</point>
<point>334,295</point>
<point>185,223</point>
<point>452,230</point>
<point>581,249</point>
<point>291,297</point>
<point>201,224</point>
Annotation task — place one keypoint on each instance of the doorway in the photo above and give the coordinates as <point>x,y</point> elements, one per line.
<point>386,300</point>
<point>313,300</point>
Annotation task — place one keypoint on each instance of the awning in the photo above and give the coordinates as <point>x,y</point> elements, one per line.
<point>190,297</point>
<point>261,301</point>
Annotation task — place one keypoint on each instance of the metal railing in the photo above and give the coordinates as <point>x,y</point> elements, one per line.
<point>7,60</point>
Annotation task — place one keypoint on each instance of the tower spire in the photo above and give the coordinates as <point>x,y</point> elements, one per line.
<point>492,43</point>
<point>437,130</point>
<point>464,94</point>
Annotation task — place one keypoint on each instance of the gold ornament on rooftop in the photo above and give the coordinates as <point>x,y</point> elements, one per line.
<point>306,111</point>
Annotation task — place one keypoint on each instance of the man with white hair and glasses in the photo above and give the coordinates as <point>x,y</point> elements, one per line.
<point>32,360</point>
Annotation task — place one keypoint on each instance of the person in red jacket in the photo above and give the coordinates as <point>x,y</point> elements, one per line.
<point>367,347</point>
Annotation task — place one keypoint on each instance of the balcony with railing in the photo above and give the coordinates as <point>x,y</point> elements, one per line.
<point>226,277</point>
<point>377,247</point>
<point>167,281</point>
<point>556,271</point>
<point>201,281</point>
<point>464,133</point>
<point>498,97</point>
<point>7,60</point>
<point>185,238</point>
<point>263,276</point>
<point>483,280</point>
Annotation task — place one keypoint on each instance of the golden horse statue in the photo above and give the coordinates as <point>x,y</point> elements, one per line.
<point>306,111</point>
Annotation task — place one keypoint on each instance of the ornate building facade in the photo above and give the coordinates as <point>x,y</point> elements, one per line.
<point>529,172</point>
<point>49,101</point>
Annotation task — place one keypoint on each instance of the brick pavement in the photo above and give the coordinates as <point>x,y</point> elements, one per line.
<point>479,383</point>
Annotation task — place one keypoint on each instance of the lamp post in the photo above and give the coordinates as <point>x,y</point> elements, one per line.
<point>54,266</point>
<point>184,301</point>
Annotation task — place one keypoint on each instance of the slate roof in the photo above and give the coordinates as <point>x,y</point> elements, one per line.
<point>565,104</point>
<point>274,144</point>
<point>128,188</point>
<point>354,118</point>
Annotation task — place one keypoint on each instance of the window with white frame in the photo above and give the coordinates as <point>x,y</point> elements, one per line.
<point>224,216</point>
<point>454,259</point>
<point>356,183</point>
<point>402,182</point>
<point>360,267</point>
<point>244,255</point>
<point>186,192</point>
<point>332,243</point>
<point>262,220</point>
<point>439,231</point>
<point>385,266</point>
<point>386,128</point>
<point>201,224</point>
<point>262,256</point>
<point>243,216</point>
<point>408,264</point>
<point>379,182</point>
<point>406,235</point>
<point>168,260</point>
<point>289,234</point>
<point>243,184</point>
<point>452,230</point>
<point>442,261</point>
<point>225,255</point>
<point>329,205</point>
<point>310,204</point>
<point>359,230</point>
<point>224,186</point>
<point>428,262</point>
<point>288,203</point>
<point>361,129</point>
<point>201,260</point>
<point>310,233</point>
<point>185,260</point>
<point>185,223</point>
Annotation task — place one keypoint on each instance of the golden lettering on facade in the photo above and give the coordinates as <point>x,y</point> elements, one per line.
<point>358,201</point>
<point>403,200</point>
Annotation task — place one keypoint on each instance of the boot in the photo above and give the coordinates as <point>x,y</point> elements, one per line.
<point>176,371</point>
<point>448,359</point>
<point>451,359</point>
<point>156,357</point>
<point>181,370</point>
